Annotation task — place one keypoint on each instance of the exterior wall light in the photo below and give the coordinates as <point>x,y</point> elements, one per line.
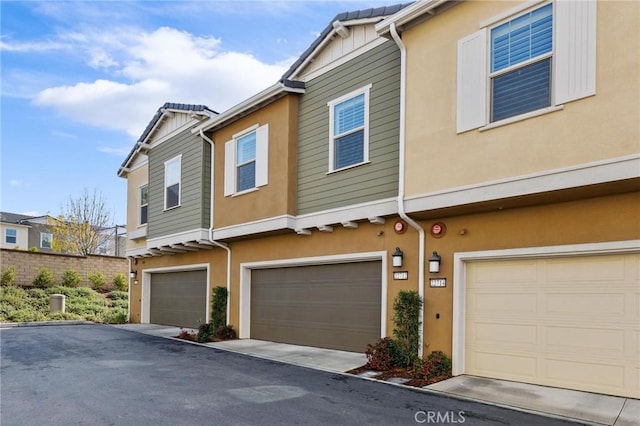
<point>397,258</point>
<point>434,263</point>
<point>132,274</point>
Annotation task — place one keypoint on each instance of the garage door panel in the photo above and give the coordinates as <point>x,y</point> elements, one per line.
<point>333,306</point>
<point>179,298</point>
<point>581,328</point>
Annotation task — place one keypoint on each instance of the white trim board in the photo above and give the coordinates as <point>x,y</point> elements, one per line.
<point>459,278</point>
<point>244,327</point>
<point>610,170</point>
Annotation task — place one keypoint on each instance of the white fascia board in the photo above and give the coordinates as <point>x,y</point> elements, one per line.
<point>178,238</point>
<point>141,232</point>
<point>255,227</point>
<point>407,14</point>
<point>136,252</point>
<point>352,213</point>
<point>245,105</point>
<point>611,170</point>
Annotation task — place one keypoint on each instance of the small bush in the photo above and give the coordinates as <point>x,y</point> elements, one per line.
<point>205,331</point>
<point>436,366</point>
<point>44,278</point>
<point>116,317</point>
<point>186,335</point>
<point>118,295</point>
<point>71,278</point>
<point>33,249</point>
<point>226,332</point>
<point>219,307</point>
<point>98,280</point>
<point>8,275</point>
<point>383,355</point>
<point>120,282</point>
<point>406,307</point>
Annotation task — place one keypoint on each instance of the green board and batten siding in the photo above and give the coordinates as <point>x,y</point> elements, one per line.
<point>195,202</point>
<point>318,190</point>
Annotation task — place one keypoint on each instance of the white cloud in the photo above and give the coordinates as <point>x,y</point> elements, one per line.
<point>15,182</point>
<point>122,151</point>
<point>166,65</point>
<point>33,213</point>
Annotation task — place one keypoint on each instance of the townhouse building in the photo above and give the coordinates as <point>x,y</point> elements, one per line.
<point>492,147</point>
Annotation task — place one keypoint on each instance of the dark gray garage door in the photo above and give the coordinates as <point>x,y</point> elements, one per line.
<point>179,298</point>
<point>330,306</point>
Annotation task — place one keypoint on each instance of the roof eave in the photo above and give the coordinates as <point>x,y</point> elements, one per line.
<point>406,15</point>
<point>250,104</point>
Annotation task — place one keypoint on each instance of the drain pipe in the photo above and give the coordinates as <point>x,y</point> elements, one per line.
<point>211,240</point>
<point>401,180</point>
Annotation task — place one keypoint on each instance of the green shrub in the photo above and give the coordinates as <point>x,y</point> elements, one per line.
<point>219,307</point>
<point>44,278</point>
<point>205,331</point>
<point>118,295</point>
<point>406,307</point>
<point>71,278</point>
<point>120,282</point>
<point>98,280</point>
<point>8,275</point>
<point>437,366</point>
<point>33,249</point>
<point>116,317</point>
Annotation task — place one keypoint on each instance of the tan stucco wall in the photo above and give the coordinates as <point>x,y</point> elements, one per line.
<point>278,196</point>
<point>22,237</point>
<point>595,128</point>
<point>135,179</point>
<point>612,218</point>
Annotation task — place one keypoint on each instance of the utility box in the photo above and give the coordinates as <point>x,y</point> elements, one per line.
<point>56,302</point>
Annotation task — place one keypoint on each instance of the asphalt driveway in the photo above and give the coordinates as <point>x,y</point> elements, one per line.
<point>101,375</point>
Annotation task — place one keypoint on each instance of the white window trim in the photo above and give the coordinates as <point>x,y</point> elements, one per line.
<point>6,234</point>
<point>574,36</point>
<point>514,14</point>
<point>140,224</point>
<point>50,239</point>
<point>261,160</point>
<point>177,158</point>
<point>331,104</point>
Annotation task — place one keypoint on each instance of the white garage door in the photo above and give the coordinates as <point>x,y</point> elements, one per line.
<point>571,322</point>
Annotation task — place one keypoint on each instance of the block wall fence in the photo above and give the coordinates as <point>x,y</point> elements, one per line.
<point>27,263</point>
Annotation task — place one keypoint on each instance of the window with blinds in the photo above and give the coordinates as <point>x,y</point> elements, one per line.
<point>521,55</point>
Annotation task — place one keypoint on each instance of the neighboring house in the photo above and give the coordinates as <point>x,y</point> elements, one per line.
<point>522,164</point>
<point>396,131</point>
<point>25,232</point>
<point>304,174</point>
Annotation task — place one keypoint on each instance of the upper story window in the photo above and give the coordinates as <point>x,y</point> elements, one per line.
<point>525,62</point>
<point>10,236</point>
<point>143,200</point>
<point>349,130</point>
<point>45,240</point>
<point>521,51</point>
<point>246,160</point>
<point>172,181</point>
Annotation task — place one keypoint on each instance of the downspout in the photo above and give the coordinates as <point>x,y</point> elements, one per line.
<point>214,242</point>
<point>401,180</point>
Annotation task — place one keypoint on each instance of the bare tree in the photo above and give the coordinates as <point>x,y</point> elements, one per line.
<point>83,225</point>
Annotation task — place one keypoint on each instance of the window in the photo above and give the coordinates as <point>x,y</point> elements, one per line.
<point>102,247</point>
<point>45,240</point>
<point>172,172</point>
<point>10,236</point>
<point>246,160</point>
<point>521,51</point>
<point>349,130</point>
<point>143,198</point>
<point>537,59</point>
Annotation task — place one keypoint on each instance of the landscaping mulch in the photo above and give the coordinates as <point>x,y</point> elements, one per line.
<point>397,372</point>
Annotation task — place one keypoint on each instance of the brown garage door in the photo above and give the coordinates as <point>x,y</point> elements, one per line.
<point>330,306</point>
<point>179,298</point>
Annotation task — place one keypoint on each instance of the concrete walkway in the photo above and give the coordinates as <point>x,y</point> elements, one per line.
<point>573,405</point>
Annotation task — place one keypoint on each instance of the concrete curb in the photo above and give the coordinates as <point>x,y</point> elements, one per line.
<point>43,323</point>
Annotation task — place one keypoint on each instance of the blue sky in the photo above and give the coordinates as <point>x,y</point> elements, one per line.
<point>81,80</point>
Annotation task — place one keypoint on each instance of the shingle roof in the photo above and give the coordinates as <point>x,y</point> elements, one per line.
<point>7,217</point>
<point>344,16</point>
<point>157,116</point>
